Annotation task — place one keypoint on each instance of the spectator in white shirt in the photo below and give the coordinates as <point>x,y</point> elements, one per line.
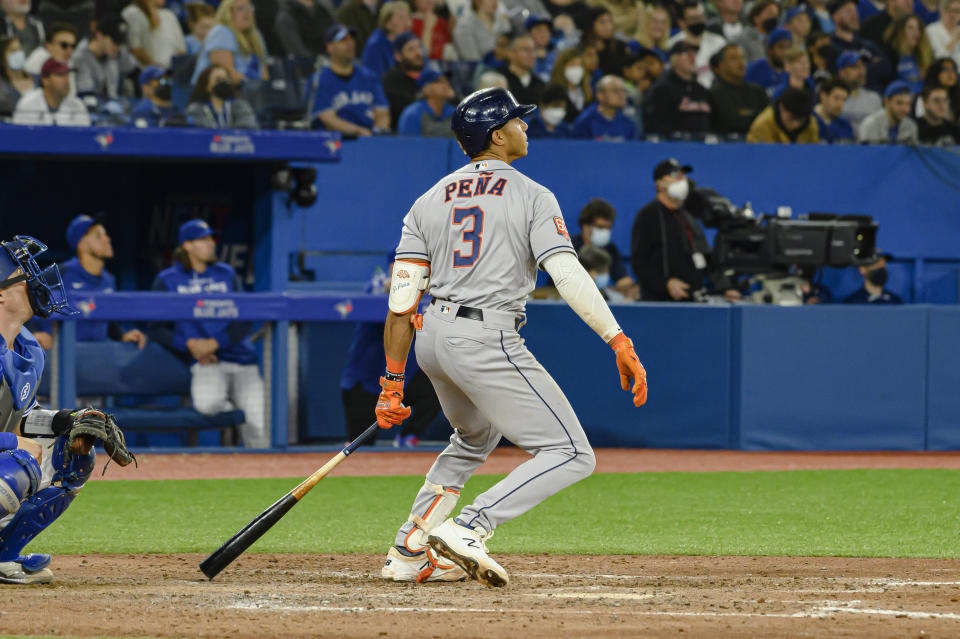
<point>944,34</point>
<point>154,34</point>
<point>51,104</point>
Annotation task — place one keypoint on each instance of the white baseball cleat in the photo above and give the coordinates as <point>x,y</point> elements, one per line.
<point>467,548</point>
<point>424,567</point>
<point>13,573</point>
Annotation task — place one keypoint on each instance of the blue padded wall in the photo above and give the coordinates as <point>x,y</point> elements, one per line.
<point>943,383</point>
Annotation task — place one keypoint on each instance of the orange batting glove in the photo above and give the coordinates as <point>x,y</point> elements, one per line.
<point>390,410</point>
<point>630,369</point>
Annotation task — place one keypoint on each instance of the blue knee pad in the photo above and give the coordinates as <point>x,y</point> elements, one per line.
<point>19,479</point>
<point>43,508</point>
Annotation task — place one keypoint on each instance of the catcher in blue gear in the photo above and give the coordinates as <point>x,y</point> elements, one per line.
<point>45,456</point>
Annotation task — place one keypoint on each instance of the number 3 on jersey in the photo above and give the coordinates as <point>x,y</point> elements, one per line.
<point>472,234</point>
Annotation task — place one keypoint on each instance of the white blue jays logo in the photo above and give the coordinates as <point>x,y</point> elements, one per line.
<point>25,392</point>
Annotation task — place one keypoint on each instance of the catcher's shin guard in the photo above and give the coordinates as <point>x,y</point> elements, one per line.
<point>19,478</point>
<point>43,508</point>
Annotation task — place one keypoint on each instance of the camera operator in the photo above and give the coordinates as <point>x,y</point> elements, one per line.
<point>669,253</point>
<point>874,289</point>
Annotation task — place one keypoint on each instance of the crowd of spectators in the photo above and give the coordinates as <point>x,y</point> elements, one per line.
<point>828,71</point>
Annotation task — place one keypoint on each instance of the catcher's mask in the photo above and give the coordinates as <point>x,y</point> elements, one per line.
<point>44,286</point>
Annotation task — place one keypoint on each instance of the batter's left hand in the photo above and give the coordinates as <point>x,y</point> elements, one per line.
<point>630,369</point>
<point>390,410</point>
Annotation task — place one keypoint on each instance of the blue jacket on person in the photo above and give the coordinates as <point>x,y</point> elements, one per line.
<point>593,125</point>
<point>412,119</point>
<point>762,72</point>
<point>150,114</point>
<point>378,53</point>
<point>838,130</point>
<point>21,367</point>
<point>233,336</point>
<point>77,282</point>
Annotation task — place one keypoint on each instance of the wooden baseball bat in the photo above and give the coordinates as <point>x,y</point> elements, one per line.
<point>234,547</point>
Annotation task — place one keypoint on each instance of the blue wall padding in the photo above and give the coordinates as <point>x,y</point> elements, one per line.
<point>943,382</point>
<point>835,378</point>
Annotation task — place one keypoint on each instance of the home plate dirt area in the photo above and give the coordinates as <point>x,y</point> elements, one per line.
<point>549,596</point>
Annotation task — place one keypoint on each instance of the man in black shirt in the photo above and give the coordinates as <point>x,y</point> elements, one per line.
<point>669,252</point>
<point>523,83</point>
<point>400,82</point>
<point>678,103</point>
<point>935,126</point>
<point>874,27</point>
<point>736,102</point>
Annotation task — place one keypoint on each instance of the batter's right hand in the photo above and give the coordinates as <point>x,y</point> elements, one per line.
<point>630,369</point>
<point>390,410</point>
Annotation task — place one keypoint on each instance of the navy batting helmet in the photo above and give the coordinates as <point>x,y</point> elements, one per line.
<point>483,111</point>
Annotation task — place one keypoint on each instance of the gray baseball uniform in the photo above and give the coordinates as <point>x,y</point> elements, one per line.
<point>485,229</point>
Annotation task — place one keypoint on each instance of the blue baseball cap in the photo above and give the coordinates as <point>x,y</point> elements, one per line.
<point>427,76</point>
<point>79,227</point>
<point>151,73</point>
<point>848,59</point>
<point>793,12</point>
<point>533,21</point>
<point>778,35</point>
<point>193,230</point>
<point>338,32</point>
<point>401,40</point>
<point>897,87</point>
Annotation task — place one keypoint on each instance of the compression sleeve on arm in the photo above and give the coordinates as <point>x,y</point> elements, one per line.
<point>578,289</point>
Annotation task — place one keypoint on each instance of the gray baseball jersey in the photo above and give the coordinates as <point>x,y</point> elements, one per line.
<point>484,229</point>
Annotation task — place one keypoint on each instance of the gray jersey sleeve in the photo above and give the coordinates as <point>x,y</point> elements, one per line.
<point>412,243</point>
<point>548,230</point>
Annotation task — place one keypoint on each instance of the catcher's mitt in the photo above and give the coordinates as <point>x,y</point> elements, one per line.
<point>88,425</point>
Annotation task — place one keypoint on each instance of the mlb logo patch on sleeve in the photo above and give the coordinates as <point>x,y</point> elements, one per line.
<point>561,227</point>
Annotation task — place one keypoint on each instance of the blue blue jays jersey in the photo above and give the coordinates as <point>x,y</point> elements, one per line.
<point>78,282</point>
<point>20,369</point>
<point>218,278</point>
<point>592,125</point>
<point>352,98</point>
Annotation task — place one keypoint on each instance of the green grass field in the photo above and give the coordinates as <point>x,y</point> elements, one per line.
<point>868,513</point>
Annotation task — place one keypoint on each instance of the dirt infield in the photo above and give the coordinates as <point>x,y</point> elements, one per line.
<point>550,596</point>
<point>503,460</point>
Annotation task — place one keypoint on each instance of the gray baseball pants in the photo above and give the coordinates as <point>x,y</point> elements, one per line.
<point>490,386</point>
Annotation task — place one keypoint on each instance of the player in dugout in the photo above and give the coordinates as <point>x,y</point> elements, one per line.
<point>46,456</point>
<point>85,274</point>
<point>223,362</point>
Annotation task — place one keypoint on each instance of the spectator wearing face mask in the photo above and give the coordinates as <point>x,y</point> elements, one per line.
<point>668,249</point>
<point>891,124</point>
<point>156,107</point>
<point>214,103</point>
<point>597,264</point>
<point>548,120</point>
<point>874,289</point>
<point>761,20</point>
<point>596,226</point>
<point>14,81</point>
<point>568,72</point>
<point>693,30</point>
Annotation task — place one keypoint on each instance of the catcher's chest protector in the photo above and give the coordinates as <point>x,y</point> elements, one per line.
<point>9,415</point>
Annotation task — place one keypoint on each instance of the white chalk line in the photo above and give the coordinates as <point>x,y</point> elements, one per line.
<point>592,595</point>
<point>910,614</point>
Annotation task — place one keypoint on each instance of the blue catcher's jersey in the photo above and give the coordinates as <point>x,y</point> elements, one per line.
<point>20,371</point>
<point>218,278</point>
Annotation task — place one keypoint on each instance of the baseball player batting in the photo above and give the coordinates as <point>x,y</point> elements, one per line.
<point>475,241</point>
